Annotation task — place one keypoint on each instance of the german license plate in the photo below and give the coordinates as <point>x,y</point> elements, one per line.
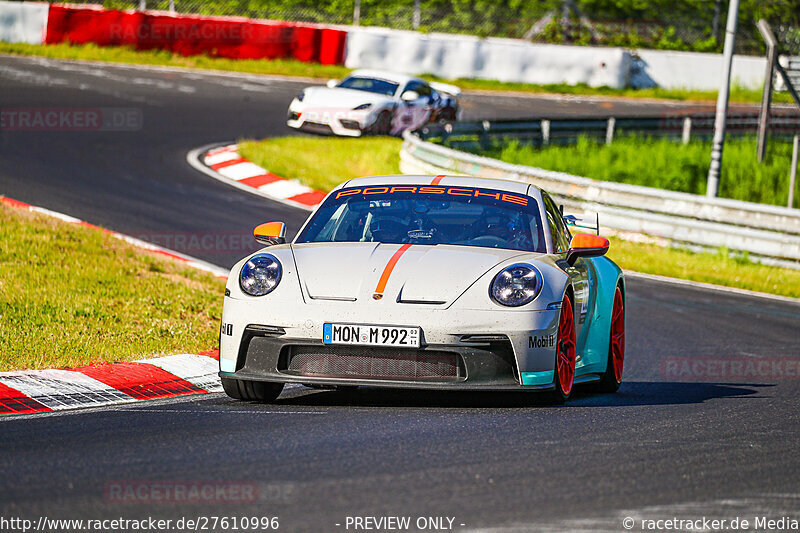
<point>366,335</point>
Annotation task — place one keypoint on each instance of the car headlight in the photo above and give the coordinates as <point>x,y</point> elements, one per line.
<point>516,285</point>
<point>260,275</point>
<point>301,96</point>
<point>362,106</point>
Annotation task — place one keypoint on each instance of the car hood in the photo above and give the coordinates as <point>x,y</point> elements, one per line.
<point>435,275</point>
<point>336,97</point>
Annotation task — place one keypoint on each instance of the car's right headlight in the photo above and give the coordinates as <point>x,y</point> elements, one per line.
<point>260,275</point>
<point>516,285</point>
<point>301,96</point>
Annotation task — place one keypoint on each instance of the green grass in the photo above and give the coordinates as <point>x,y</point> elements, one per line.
<point>666,164</point>
<point>283,67</point>
<point>324,162</point>
<point>72,295</point>
<point>719,268</point>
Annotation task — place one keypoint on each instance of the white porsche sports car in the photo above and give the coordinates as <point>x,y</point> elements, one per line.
<point>372,102</point>
<point>440,282</point>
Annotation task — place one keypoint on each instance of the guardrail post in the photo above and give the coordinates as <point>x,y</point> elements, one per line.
<point>142,5</point>
<point>485,135</point>
<point>687,130</point>
<point>766,97</point>
<point>612,122</point>
<point>793,171</point>
<point>545,132</point>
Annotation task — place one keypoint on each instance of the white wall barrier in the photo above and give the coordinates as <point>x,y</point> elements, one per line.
<point>465,56</point>
<point>693,70</point>
<point>23,22</point>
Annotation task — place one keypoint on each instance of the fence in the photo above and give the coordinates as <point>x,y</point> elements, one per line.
<point>768,233</point>
<point>695,25</point>
<point>479,136</point>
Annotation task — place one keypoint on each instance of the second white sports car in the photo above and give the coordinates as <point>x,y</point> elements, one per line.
<point>372,102</point>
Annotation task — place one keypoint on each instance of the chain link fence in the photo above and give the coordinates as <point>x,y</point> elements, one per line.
<point>694,25</point>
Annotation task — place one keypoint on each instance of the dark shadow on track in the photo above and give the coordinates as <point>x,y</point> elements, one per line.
<point>630,394</point>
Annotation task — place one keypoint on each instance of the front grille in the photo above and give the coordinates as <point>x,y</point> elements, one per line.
<point>350,124</point>
<point>373,363</point>
<point>316,127</point>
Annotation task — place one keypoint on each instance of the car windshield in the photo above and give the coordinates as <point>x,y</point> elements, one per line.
<point>371,85</point>
<point>419,214</point>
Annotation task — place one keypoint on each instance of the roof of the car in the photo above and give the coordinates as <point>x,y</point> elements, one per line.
<point>400,79</point>
<point>515,187</point>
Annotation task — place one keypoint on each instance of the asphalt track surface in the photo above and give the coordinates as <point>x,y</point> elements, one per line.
<point>673,442</point>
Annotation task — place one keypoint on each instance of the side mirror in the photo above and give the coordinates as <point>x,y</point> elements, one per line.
<point>586,245</point>
<point>332,83</point>
<point>270,233</point>
<point>409,96</point>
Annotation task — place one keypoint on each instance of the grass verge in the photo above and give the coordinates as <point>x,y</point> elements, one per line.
<point>324,162</point>
<point>72,295</point>
<point>91,52</point>
<point>719,268</point>
<point>666,164</point>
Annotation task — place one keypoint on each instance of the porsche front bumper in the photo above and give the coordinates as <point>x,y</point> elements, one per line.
<point>344,122</point>
<point>461,350</point>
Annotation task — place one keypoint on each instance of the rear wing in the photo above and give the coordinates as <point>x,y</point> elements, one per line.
<point>581,223</point>
<point>445,88</point>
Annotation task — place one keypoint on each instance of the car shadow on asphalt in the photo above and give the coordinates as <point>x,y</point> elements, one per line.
<point>630,394</point>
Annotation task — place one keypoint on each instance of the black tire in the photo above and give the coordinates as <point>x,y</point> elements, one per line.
<point>253,391</point>
<point>447,114</point>
<point>610,382</point>
<point>382,125</point>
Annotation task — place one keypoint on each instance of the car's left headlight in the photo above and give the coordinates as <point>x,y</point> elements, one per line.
<point>362,106</point>
<point>260,275</point>
<point>301,96</point>
<point>516,285</point>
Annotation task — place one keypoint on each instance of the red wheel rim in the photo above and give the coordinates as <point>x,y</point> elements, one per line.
<point>618,335</point>
<point>565,351</point>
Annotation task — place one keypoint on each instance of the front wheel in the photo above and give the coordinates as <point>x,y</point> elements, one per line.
<point>382,125</point>
<point>612,377</point>
<point>253,391</point>
<point>565,353</point>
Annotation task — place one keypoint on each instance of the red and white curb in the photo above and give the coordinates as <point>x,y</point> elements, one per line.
<point>35,391</point>
<point>225,164</point>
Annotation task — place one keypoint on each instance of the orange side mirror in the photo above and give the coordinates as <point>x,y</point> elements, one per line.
<point>270,233</point>
<point>586,245</point>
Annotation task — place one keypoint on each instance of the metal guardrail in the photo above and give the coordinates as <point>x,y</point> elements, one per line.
<point>542,132</point>
<point>768,233</point>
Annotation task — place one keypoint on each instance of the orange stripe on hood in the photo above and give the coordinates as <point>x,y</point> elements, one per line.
<point>437,180</point>
<point>387,271</point>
